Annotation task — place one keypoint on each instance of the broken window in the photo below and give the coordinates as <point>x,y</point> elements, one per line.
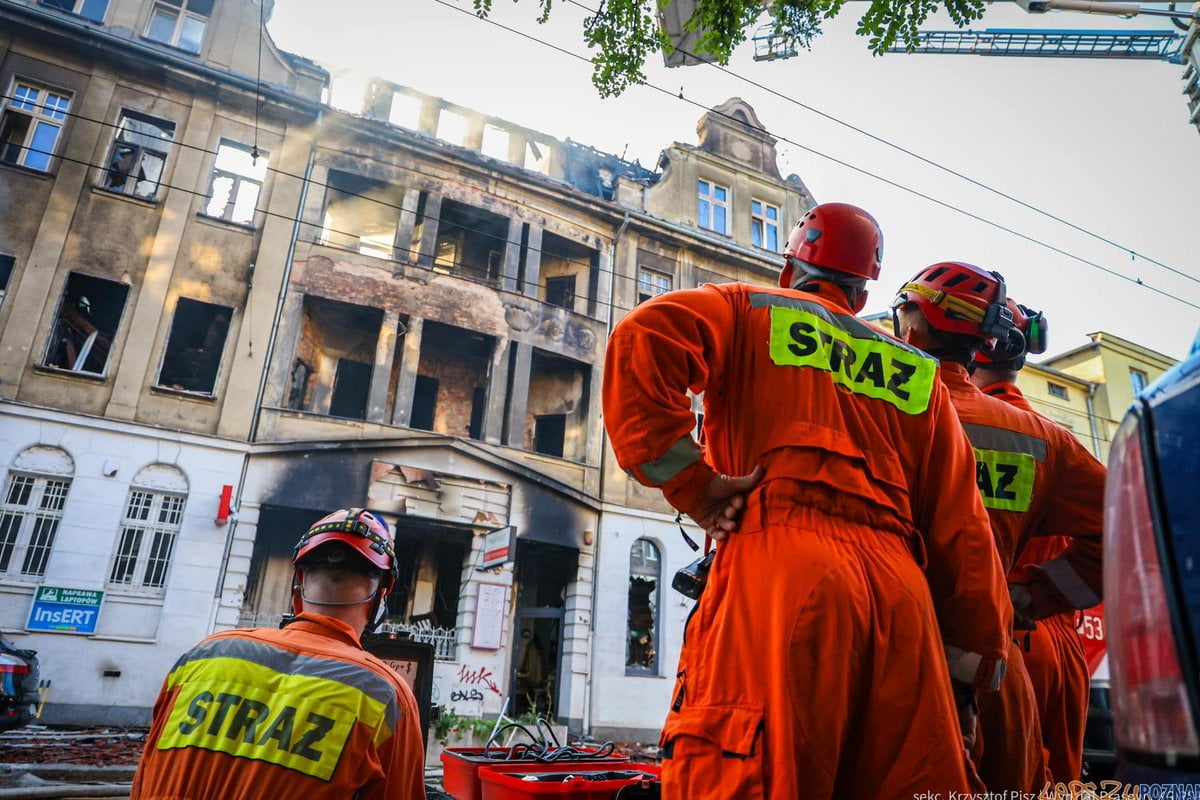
<point>31,125</point>
<point>567,267</point>
<point>451,127</point>
<point>560,291</point>
<point>645,573</point>
<point>6,269</point>
<point>537,157</point>
<point>557,408</point>
<point>237,180</point>
<point>29,519</point>
<point>496,141</point>
<point>194,347</point>
<point>470,242</point>
<point>139,154</point>
<point>179,23</point>
<point>361,214</point>
<point>452,379</point>
<point>335,358</point>
<point>147,541</point>
<point>90,9</point>
<point>405,111</point>
<point>86,324</point>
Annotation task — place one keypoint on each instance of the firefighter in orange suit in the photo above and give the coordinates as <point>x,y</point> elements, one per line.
<point>813,666</point>
<point>302,712</point>
<point>1053,653</point>
<point>1035,478</point>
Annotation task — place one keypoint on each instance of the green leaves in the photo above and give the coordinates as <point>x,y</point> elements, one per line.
<point>624,33</point>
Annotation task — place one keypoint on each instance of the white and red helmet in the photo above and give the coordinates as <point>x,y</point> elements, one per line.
<point>361,531</point>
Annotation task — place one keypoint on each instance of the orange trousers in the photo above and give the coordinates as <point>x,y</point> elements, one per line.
<point>813,668</point>
<point>1058,671</point>
<point>1008,750</point>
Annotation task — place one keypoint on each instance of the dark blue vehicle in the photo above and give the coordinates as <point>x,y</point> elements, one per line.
<point>18,685</point>
<point>1152,580</point>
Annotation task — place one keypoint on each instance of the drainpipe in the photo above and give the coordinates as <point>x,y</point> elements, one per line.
<point>1092,419</point>
<point>262,383</point>
<point>612,296</point>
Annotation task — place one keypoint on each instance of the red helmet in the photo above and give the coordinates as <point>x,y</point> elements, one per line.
<point>838,237</point>
<point>1028,336</point>
<point>363,532</point>
<point>960,298</point>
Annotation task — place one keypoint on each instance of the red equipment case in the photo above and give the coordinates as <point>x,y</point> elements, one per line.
<point>461,768</point>
<point>594,782</point>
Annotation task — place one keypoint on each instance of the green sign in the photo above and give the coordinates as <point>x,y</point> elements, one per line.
<point>61,610</point>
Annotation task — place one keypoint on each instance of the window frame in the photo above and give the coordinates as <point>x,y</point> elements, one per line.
<point>231,203</point>
<point>76,9</point>
<point>166,349</point>
<point>656,608</point>
<point>58,309</point>
<point>150,532</point>
<point>129,189</point>
<point>762,223</point>
<point>1058,390</point>
<point>6,279</point>
<point>705,217</point>
<point>1137,376</point>
<point>644,271</point>
<point>19,545</point>
<point>182,15</point>
<point>38,113</point>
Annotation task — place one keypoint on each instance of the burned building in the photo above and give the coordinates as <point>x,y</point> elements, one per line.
<point>217,285</point>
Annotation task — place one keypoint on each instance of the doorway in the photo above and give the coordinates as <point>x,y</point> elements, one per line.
<point>543,573</point>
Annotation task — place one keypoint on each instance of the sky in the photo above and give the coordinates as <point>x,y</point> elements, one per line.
<point>1103,144</point>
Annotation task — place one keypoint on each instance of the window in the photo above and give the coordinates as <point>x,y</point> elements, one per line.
<point>87,322</point>
<point>351,389</point>
<point>195,346</point>
<point>29,519</point>
<point>424,408</point>
<point>1058,390</point>
<point>710,212</point>
<point>147,540</point>
<point>451,127</point>
<point>361,214</point>
<point>139,154</point>
<point>560,291</point>
<point>237,180</point>
<point>645,571</point>
<point>495,142</point>
<point>405,111</point>
<point>764,225</point>
<point>31,125</point>
<point>6,268</point>
<point>549,434</point>
<point>1138,379</point>
<point>179,23</point>
<point>651,282</point>
<point>92,9</point>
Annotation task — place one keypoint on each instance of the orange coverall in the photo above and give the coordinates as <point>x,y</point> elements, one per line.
<point>813,666</point>
<point>1036,479</point>
<point>302,712</point>
<point>1054,656</point>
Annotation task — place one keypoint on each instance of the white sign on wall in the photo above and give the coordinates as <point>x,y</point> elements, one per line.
<point>498,546</point>
<point>489,616</point>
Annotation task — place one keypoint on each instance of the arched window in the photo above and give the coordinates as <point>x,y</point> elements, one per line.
<point>34,495</point>
<point>153,517</point>
<point>641,641</point>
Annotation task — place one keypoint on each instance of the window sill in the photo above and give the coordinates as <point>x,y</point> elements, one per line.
<point>25,585</point>
<point>126,639</point>
<point>128,198</point>
<point>221,222</point>
<point>184,394</point>
<point>20,169</point>
<point>638,674</point>
<point>129,596</point>
<point>60,372</point>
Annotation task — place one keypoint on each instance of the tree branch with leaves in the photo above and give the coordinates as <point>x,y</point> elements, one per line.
<point>624,33</point>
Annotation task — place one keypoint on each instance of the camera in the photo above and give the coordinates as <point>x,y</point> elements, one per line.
<point>690,580</point>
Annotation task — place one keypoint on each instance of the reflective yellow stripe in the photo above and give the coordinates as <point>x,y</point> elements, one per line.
<point>871,365</point>
<point>1005,479</point>
<point>248,710</point>
<point>946,301</point>
<point>678,457</point>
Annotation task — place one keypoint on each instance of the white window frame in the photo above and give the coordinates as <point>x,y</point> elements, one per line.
<point>645,570</point>
<point>145,545</point>
<point>28,529</point>
<point>1137,376</point>
<point>182,14</point>
<point>650,283</point>
<point>707,202</point>
<point>41,113</point>
<point>239,181</point>
<point>131,179</point>
<point>762,224</point>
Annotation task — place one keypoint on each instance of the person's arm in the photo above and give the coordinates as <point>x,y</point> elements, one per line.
<point>660,350</point>
<point>970,594</point>
<point>1074,579</point>
<point>162,709</point>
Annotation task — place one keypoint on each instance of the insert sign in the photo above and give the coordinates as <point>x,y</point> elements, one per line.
<point>59,610</point>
